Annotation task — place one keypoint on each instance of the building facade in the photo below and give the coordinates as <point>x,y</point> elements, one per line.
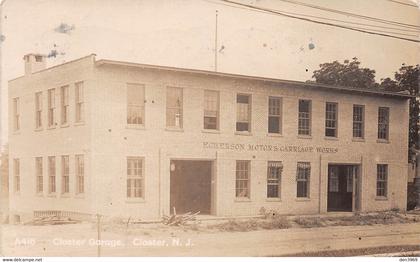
<point>125,139</point>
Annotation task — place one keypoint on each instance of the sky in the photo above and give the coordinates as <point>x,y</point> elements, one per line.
<point>181,33</point>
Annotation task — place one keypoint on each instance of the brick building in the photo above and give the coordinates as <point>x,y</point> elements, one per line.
<point>126,139</point>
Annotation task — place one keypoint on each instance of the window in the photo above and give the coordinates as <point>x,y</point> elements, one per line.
<point>39,175</point>
<point>51,107</point>
<point>382,180</point>
<point>303,177</point>
<point>65,174</point>
<point>64,104</point>
<point>135,177</point>
<point>174,107</point>
<point>358,121</point>
<point>334,182</point>
<point>38,110</point>
<point>16,174</point>
<point>135,104</point>
<point>243,113</point>
<point>331,119</point>
<point>383,123</point>
<point>211,109</point>
<point>51,175</point>
<point>349,180</point>
<point>242,179</point>
<point>16,114</point>
<point>80,174</point>
<point>79,102</point>
<point>304,122</point>
<point>274,170</point>
<point>274,115</point>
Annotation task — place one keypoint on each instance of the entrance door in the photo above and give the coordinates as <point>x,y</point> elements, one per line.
<point>340,188</point>
<point>190,186</point>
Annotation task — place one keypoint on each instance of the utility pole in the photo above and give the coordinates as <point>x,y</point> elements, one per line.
<point>417,178</point>
<point>215,45</point>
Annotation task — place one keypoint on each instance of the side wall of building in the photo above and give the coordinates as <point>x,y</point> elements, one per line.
<point>114,141</point>
<point>28,142</point>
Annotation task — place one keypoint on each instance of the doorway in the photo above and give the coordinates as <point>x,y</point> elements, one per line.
<point>191,186</point>
<point>343,189</point>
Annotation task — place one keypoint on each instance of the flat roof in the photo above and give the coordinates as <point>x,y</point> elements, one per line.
<point>258,78</point>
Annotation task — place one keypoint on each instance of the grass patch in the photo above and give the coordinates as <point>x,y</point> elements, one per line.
<point>308,222</point>
<point>358,251</point>
<point>277,222</point>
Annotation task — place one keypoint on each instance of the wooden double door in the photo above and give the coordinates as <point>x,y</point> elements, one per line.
<point>343,188</point>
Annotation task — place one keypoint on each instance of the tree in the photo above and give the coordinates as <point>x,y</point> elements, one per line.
<point>347,74</point>
<point>408,79</point>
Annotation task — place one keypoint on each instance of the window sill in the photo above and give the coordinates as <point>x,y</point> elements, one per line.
<point>273,199</point>
<point>135,201</point>
<point>52,195</point>
<point>79,123</point>
<point>174,129</point>
<point>304,136</point>
<point>358,139</point>
<point>242,199</point>
<point>243,133</point>
<point>37,129</point>
<point>137,127</point>
<point>50,127</point>
<point>80,196</point>
<point>382,141</point>
<point>333,138</point>
<point>302,199</point>
<point>211,131</point>
<point>65,125</point>
<point>274,135</point>
<point>381,198</point>
<point>16,132</point>
<point>40,194</point>
<point>65,195</point>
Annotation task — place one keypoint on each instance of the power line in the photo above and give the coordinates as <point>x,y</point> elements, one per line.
<point>331,19</point>
<point>351,14</point>
<point>371,31</point>
<point>402,3</point>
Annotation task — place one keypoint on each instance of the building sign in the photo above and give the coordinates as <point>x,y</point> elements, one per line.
<point>269,148</point>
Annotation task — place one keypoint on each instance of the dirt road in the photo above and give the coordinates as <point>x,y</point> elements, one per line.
<point>81,240</point>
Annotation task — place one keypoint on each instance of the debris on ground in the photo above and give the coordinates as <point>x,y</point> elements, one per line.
<point>178,220</point>
<point>52,220</point>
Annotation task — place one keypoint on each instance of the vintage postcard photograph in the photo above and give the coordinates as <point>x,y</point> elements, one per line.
<point>212,129</point>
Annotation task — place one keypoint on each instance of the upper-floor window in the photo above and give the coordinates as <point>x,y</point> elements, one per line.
<point>174,104</point>
<point>331,110</point>
<point>79,101</point>
<point>383,123</point>
<point>80,174</point>
<point>65,174</point>
<point>51,107</point>
<point>16,114</point>
<point>274,170</point>
<point>274,115</point>
<point>51,175</point>
<point>304,117</point>
<point>64,93</point>
<point>16,174</point>
<point>38,110</point>
<point>211,109</point>
<point>381,180</point>
<point>135,104</point>
<point>243,112</point>
<point>39,175</point>
<point>303,178</point>
<point>242,179</point>
<point>358,121</point>
<point>135,177</point>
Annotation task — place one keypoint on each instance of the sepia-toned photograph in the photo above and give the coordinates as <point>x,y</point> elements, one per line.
<point>233,129</point>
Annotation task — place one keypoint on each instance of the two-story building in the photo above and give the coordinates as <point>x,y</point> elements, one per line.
<point>127,139</point>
